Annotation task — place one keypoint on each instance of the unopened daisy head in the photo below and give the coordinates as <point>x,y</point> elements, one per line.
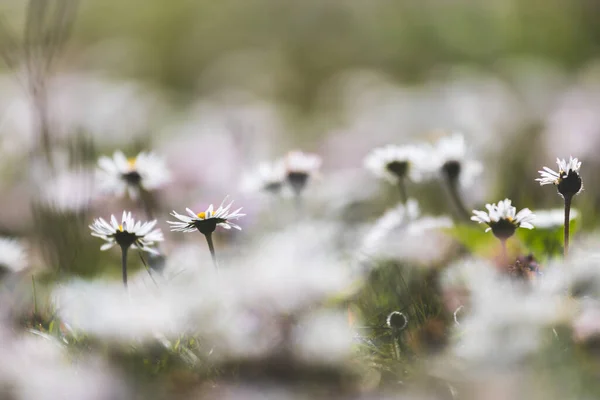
<point>119,175</point>
<point>396,320</point>
<point>395,163</point>
<point>567,179</point>
<point>128,233</point>
<point>451,159</point>
<point>503,220</point>
<point>300,167</point>
<point>206,221</point>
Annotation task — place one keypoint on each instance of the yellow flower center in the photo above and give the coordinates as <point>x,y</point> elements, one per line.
<point>131,162</point>
<point>121,228</point>
<point>202,215</point>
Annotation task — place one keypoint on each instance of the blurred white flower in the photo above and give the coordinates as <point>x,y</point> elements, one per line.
<point>71,190</point>
<point>504,321</point>
<point>452,162</point>
<point>119,175</point>
<point>300,167</point>
<point>39,367</point>
<point>268,177</point>
<point>206,221</point>
<point>502,218</point>
<point>390,220</point>
<point>554,218</point>
<point>567,179</point>
<point>323,337</point>
<point>395,163</point>
<point>127,233</point>
<point>401,233</point>
<point>13,255</point>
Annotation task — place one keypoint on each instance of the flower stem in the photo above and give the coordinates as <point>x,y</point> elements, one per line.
<point>124,250</point>
<point>146,203</point>
<point>211,247</point>
<point>567,222</point>
<point>504,253</point>
<point>35,310</point>
<point>395,338</point>
<point>457,202</point>
<point>402,190</point>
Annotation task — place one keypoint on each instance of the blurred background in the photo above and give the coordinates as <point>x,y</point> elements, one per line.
<point>216,87</point>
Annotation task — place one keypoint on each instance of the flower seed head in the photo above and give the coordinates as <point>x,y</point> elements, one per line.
<point>397,321</point>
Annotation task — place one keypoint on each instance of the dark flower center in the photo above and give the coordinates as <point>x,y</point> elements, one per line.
<point>207,226</point>
<point>569,184</point>
<point>503,229</point>
<point>133,178</point>
<point>273,187</point>
<point>398,168</point>
<point>125,239</point>
<point>397,320</point>
<point>297,180</point>
<point>451,170</point>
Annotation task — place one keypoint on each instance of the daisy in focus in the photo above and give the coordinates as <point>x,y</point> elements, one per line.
<point>503,220</point>
<point>396,163</point>
<point>127,233</point>
<point>567,179</point>
<point>451,160</point>
<point>568,183</point>
<point>300,167</point>
<point>119,175</point>
<point>206,221</point>
<point>13,256</point>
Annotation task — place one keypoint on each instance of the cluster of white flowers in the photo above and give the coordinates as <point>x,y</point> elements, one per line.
<point>448,159</point>
<point>294,172</point>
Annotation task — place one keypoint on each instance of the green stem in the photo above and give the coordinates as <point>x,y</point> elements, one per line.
<point>211,247</point>
<point>567,222</point>
<point>35,310</point>
<point>456,199</point>
<point>402,190</point>
<point>145,200</point>
<point>124,251</point>
<point>504,253</point>
<point>395,337</point>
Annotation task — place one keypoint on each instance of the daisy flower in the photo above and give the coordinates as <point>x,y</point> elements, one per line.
<point>127,233</point>
<point>300,167</point>
<point>503,220</point>
<point>268,177</point>
<point>450,159</point>
<point>395,163</point>
<point>13,256</point>
<point>567,179</point>
<point>568,182</point>
<point>206,221</point>
<point>119,175</point>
